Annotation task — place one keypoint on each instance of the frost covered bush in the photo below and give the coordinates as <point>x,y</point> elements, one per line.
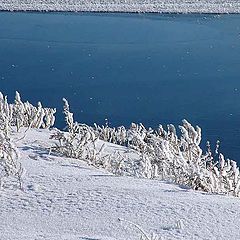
<point>23,114</point>
<point>166,156</point>
<point>9,164</point>
<point>80,142</point>
<point>18,114</point>
<point>113,135</point>
<point>76,143</point>
<point>160,153</point>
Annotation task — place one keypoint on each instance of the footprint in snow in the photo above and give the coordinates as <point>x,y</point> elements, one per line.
<point>33,187</point>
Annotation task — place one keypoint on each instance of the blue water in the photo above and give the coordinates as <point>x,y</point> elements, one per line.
<point>128,67</point>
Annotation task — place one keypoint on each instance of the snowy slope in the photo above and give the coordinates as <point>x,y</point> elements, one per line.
<point>177,6</point>
<point>67,199</point>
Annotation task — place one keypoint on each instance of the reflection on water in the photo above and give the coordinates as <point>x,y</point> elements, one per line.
<point>128,67</point>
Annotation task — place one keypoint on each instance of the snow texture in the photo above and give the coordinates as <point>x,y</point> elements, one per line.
<point>63,198</point>
<point>158,6</point>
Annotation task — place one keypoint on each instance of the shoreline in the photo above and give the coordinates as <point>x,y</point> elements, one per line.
<point>164,7</point>
<point>119,12</point>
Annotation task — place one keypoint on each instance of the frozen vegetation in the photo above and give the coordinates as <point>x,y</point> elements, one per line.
<point>160,6</point>
<point>97,182</point>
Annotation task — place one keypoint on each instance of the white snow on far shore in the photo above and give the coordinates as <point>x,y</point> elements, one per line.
<point>67,199</point>
<point>157,6</point>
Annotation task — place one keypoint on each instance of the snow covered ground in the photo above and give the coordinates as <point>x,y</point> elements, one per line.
<point>67,199</point>
<point>161,6</point>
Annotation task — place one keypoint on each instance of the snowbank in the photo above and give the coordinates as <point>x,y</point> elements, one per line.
<point>67,199</point>
<point>158,6</point>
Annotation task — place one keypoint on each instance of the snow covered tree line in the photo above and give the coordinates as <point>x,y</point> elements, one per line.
<point>160,154</point>
<point>23,114</point>
<point>15,116</point>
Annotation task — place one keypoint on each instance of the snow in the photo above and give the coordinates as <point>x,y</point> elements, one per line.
<point>160,6</point>
<point>67,199</point>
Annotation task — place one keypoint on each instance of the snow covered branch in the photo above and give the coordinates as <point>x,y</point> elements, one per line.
<point>23,114</point>
<point>156,153</point>
<point>9,164</point>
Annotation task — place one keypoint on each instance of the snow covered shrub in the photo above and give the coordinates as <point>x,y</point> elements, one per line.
<point>80,142</point>
<point>224,177</point>
<point>108,134</point>
<point>9,164</point>
<point>5,114</point>
<point>157,153</point>
<point>75,143</point>
<point>23,114</point>
<point>181,160</point>
<point>18,114</point>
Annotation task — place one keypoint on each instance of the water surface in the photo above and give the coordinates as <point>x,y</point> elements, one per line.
<point>128,67</point>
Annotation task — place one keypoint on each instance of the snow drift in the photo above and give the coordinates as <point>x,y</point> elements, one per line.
<point>63,185</point>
